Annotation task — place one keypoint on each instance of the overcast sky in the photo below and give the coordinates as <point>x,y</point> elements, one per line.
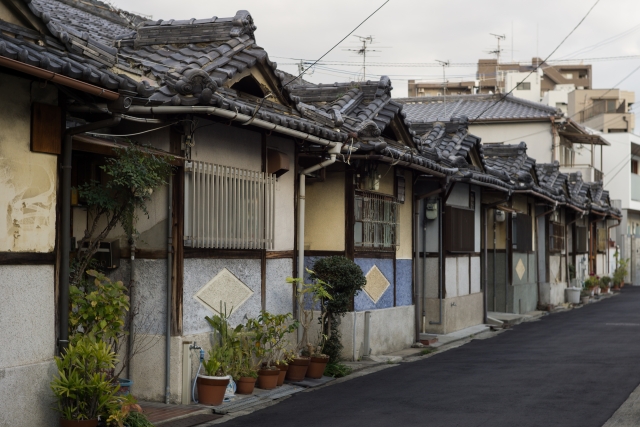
<point>423,31</point>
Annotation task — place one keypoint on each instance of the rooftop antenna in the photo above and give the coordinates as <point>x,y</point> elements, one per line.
<point>362,50</point>
<point>497,52</point>
<point>444,64</point>
<point>302,70</point>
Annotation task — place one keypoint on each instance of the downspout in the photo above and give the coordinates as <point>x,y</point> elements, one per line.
<point>333,152</point>
<point>543,214</point>
<point>233,116</point>
<point>440,261</point>
<point>416,258</point>
<point>167,364</point>
<point>65,242</point>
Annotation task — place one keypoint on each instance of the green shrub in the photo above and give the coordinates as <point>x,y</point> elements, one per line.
<point>345,278</point>
<point>337,370</point>
<point>137,419</point>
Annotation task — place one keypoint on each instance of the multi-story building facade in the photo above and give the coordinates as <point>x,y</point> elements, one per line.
<point>491,77</point>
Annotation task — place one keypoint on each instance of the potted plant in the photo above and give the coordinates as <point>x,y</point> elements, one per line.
<point>605,284</point>
<point>311,296</point>
<point>584,295</point>
<point>592,283</point>
<point>244,369</point>
<point>620,272</point>
<point>345,278</point>
<point>270,332</point>
<point>213,385</point>
<point>82,385</point>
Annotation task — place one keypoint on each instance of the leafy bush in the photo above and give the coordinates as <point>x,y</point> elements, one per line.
<point>137,419</point>
<point>345,278</point>
<point>82,385</point>
<point>337,370</point>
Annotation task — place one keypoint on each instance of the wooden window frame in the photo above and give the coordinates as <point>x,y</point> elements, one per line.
<point>458,223</point>
<point>389,225</point>
<point>556,237</point>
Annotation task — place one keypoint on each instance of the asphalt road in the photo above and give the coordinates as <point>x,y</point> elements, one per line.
<point>568,369</point>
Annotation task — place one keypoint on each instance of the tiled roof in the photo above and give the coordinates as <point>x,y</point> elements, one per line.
<point>498,107</point>
<point>513,160</point>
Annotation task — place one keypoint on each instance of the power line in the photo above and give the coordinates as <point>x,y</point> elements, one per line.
<point>336,45</point>
<point>538,66</point>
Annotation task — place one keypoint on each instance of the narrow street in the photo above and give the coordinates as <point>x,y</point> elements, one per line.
<point>568,369</point>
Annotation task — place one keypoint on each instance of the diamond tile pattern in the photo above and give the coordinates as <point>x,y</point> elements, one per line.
<point>520,269</point>
<point>224,288</point>
<point>376,285</point>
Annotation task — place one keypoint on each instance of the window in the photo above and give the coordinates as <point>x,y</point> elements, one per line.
<point>556,237</point>
<point>459,229</point>
<point>524,86</point>
<point>581,240</point>
<point>521,230</point>
<point>376,222</point>
<point>634,167</point>
<point>228,208</point>
<point>567,76</point>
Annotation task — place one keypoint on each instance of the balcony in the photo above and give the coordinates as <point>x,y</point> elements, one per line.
<point>609,106</point>
<point>589,173</point>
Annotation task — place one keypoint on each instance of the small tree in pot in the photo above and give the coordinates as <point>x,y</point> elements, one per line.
<point>345,278</point>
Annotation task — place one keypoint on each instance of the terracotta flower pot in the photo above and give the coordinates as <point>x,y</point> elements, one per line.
<point>268,378</point>
<point>211,389</point>
<point>245,385</point>
<point>316,367</point>
<point>77,423</point>
<point>283,373</point>
<point>298,368</point>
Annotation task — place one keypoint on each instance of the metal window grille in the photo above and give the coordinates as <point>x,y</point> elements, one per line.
<point>376,224</point>
<point>228,208</point>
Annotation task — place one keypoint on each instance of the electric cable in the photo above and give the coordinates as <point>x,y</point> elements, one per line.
<point>539,65</point>
<point>336,45</point>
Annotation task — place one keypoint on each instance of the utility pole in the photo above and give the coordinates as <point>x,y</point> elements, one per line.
<point>444,64</point>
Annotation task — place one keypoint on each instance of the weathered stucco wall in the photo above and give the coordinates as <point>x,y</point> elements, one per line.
<point>537,135</point>
<point>28,344</point>
<point>405,251</point>
<point>324,212</point>
<point>27,180</point>
<point>285,194</point>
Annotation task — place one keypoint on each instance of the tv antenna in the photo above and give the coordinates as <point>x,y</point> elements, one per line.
<point>362,50</point>
<point>444,64</point>
<point>497,53</point>
<point>302,70</point>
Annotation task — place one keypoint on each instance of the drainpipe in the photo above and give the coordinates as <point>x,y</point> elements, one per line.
<point>543,214</point>
<point>420,290</point>
<point>608,231</point>
<point>167,365</point>
<point>440,260</point>
<point>233,116</point>
<point>416,257</point>
<point>65,242</point>
<point>333,152</point>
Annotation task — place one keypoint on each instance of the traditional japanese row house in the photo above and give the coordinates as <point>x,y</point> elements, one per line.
<point>270,174</point>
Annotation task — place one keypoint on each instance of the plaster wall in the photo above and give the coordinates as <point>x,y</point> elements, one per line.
<point>391,329</point>
<point>285,194</point>
<point>199,272</point>
<point>279,293</point>
<point>28,344</point>
<point>324,212</point>
<point>457,313</point>
<point>28,180</point>
<point>405,251</point>
<point>537,135</point>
